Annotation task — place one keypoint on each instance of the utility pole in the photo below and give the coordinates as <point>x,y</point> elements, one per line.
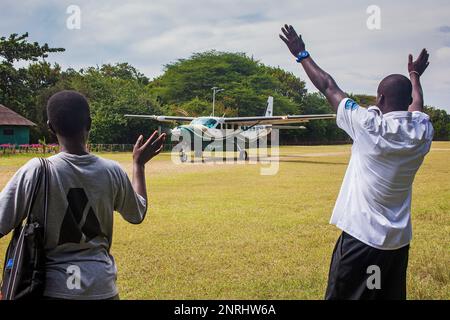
<point>215,90</point>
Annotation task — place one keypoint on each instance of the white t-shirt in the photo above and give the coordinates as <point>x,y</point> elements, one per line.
<point>84,191</point>
<point>374,203</point>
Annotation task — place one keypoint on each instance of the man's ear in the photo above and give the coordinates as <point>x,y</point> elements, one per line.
<point>380,100</point>
<point>51,127</point>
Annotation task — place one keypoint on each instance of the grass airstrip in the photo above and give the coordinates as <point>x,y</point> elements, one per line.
<point>224,231</point>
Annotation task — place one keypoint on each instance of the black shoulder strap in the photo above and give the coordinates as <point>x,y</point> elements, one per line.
<point>46,195</point>
<point>43,178</point>
<point>35,191</point>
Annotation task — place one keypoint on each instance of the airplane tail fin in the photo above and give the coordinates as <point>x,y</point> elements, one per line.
<point>269,110</point>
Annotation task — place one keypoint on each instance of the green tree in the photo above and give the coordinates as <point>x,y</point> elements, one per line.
<point>364,100</point>
<point>441,123</point>
<point>112,92</point>
<point>318,131</point>
<point>247,84</point>
<point>19,86</point>
<point>184,89</point>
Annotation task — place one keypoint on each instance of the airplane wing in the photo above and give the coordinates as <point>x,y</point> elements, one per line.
<point>284,127</point>
<point>161,118</point>
<point>277,119</point>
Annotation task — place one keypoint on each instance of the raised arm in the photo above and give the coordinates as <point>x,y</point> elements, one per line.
<point>142,153</point>
<point>416,69</point>
<point>321,79</point>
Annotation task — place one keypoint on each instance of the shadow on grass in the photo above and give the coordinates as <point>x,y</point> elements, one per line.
<point>264,161</point>
<point>314,162</point>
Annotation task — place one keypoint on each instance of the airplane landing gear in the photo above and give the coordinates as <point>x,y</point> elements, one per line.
<point>198,154</point>
<point>183,156</point>
<point>243,155</point>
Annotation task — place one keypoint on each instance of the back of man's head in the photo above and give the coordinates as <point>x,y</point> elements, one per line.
<point>395,93</point>
<point>68,113</point>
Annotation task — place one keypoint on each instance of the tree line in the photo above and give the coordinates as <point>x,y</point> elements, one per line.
<point>183,89</point>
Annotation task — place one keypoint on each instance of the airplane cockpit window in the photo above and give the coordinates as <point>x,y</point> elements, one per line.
<point>209,123</point>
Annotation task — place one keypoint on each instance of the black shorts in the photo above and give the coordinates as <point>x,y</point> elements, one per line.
<point>359,271</point>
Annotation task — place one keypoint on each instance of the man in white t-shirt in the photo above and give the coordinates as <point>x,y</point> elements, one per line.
<point>84,191</point>
<point>373,208</point>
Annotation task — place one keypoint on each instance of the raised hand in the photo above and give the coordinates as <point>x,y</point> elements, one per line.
<point>144,152</point>
<point>420,64</point>
<point>293,41</point>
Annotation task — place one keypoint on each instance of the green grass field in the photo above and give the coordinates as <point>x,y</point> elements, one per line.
<point>226,232</point>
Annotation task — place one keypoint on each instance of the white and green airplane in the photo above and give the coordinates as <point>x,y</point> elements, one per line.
<point>211,131</point>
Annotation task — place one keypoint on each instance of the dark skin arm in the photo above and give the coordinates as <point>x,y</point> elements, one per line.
<point>321,79</point>
<point>142,153</point>
<point>416,69</point>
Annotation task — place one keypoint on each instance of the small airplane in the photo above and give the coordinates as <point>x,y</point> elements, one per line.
<point>211,131</point>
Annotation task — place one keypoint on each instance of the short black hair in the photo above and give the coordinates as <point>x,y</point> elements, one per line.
<point>68,113</point>
<point>397,89</point>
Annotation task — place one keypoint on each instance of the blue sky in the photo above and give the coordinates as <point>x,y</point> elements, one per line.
<point>150,34</point>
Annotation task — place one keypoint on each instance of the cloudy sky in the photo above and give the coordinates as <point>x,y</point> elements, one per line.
<point>150,34</point>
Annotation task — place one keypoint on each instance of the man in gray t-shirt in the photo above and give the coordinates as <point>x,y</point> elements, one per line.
<point>84,191</point>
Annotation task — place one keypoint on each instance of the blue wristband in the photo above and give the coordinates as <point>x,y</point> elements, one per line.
<point>302,56</point>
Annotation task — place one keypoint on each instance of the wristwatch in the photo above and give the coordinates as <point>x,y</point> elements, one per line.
<point>302,56</point>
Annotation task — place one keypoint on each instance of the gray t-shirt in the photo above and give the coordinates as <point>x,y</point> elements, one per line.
<point>84,191</point>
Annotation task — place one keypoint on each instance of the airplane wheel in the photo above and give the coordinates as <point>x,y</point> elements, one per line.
<point>183,156</point>
<point>243,155</point>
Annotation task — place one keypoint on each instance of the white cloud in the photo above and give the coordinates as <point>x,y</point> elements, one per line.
<point>443,54</point>
<point>150,34</point>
